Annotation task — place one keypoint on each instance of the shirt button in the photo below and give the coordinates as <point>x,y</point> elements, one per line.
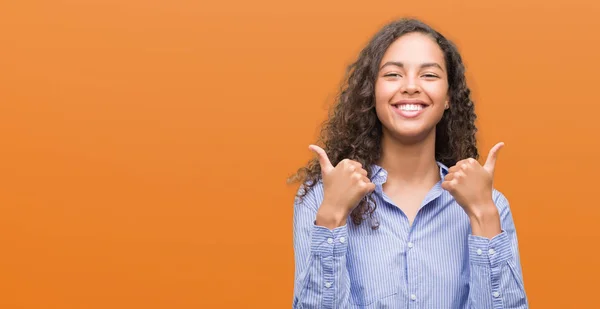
<point>413,297</point>
<point>479,252</point>
<point>330,240</point>
<point>492,251</point>
<point>496,294</point>
<point>342,239</point>
<point>410,245</point>
<point>327,284</point>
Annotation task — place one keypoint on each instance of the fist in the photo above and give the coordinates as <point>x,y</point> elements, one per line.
<point>344,185</point>
<point>471,183</point>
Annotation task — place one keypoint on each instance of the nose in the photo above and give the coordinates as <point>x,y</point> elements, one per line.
<point>409,85</point>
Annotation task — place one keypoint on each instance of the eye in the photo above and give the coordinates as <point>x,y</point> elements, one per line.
<point>430,75</point>
<point>392,75</point>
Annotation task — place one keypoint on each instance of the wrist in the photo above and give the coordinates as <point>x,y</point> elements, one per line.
<point>482,210</point>
<point>485,221</point>
<point>330,217</point>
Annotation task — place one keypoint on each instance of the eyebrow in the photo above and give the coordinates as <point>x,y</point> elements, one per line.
<point>401,65</point>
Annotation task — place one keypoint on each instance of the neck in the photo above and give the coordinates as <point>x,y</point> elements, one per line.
<point>409,164</point>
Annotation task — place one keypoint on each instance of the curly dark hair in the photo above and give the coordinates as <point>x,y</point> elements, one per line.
<point>353,130</point>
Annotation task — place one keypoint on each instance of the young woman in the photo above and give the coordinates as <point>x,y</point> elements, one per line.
<point>395,211</point>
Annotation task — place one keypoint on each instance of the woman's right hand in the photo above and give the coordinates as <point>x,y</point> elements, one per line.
<point>344,186</point>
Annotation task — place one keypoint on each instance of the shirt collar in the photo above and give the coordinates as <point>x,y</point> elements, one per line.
<point>379,174</point>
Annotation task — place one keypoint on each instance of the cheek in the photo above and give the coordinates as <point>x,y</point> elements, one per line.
<point>438,93</point>
<point>384,92</point>
<point>382,98</point>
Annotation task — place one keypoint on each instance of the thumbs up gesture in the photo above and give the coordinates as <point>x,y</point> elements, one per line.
<point>471,184</point>
<point>344,186</point>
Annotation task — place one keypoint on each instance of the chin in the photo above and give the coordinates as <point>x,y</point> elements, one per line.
<point>411,130</point>
<point>410,134</point>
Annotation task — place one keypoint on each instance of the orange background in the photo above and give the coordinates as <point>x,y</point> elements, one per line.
<point>144,145</point>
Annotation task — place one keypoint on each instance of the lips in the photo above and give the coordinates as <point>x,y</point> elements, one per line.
<point>409,109</point>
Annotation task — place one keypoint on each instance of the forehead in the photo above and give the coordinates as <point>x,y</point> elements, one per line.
<point>414,48</point>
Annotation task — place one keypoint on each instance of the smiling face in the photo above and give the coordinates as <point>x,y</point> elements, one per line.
<point>411,90</point>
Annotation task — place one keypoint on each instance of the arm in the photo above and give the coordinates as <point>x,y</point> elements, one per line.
<point>321,278</point>
<point>496,279</point>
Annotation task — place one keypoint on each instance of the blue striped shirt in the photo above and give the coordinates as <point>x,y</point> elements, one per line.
<point>435,263</point>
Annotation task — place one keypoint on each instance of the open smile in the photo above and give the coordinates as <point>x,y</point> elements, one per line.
<point>409,109</point>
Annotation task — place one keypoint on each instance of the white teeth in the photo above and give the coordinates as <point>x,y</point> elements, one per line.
<point>411,107</point>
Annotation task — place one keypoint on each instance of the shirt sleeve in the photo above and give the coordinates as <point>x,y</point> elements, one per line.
<point>321,279</point>
<point>496,280</point>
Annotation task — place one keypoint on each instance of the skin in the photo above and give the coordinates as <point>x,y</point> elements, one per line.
<point>412,69</point>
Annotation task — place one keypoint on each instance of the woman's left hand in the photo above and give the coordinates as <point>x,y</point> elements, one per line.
<point>471,184</point>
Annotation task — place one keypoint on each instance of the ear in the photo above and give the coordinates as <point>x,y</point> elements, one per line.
<point>448,99</point>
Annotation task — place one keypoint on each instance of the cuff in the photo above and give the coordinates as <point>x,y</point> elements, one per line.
<point>326,242</point>
<point>492,252</point>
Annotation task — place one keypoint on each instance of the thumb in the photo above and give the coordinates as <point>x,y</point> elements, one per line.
<point>326,165</point>
<point>490,163</point>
